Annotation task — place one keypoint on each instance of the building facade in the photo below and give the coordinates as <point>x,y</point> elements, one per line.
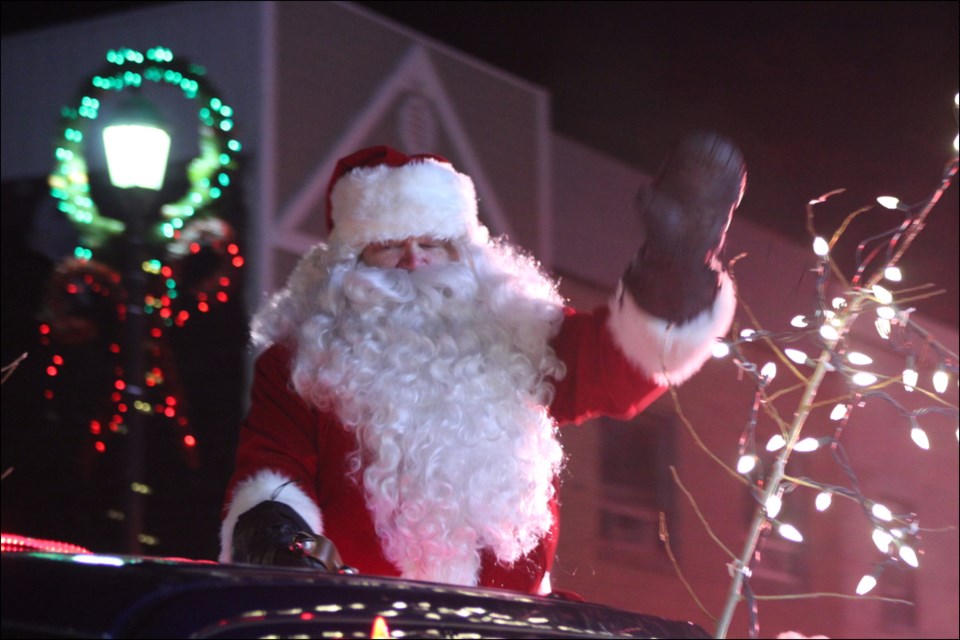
<point>310,82</point>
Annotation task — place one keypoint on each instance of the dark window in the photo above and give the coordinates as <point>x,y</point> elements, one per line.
<point>636,486</point>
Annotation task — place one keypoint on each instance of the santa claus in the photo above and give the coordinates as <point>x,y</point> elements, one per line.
<point>415,370</point>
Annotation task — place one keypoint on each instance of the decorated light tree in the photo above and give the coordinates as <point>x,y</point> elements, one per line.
<point>135,277</point>
<point>914,392</point>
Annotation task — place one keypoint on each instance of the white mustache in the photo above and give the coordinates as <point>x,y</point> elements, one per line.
<point>365,286</point>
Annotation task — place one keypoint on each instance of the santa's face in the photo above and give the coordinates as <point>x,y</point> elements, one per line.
<point>409,253</point>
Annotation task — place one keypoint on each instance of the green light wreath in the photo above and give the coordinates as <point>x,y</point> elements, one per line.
<point>209,174</point>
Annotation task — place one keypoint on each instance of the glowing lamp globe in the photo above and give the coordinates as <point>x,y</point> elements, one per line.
<point>137,146</point>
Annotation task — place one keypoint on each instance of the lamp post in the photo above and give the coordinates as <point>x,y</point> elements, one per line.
<point>137,148</point>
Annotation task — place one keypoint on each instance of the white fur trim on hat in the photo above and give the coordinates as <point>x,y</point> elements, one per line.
<point>668,352</point>
<point>423,198</point>
<point>260,487</point>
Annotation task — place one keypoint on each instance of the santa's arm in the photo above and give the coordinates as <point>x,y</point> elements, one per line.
<point>271,514</point>
<point>675,300</point>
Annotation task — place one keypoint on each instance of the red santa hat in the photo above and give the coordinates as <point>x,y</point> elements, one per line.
<point>380,194</point>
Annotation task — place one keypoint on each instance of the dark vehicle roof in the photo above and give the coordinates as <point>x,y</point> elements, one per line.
<point>63,595</point>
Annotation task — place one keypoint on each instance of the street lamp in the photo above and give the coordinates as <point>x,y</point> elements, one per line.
<point>137,148</point>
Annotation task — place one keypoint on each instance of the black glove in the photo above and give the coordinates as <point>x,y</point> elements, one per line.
<point>273,533</point>
<point>684,214</point>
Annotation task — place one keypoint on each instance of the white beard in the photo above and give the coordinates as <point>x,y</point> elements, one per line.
<point>441,374</point>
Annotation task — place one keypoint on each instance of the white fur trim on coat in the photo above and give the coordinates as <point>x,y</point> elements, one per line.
<point>423,198</point>
<point>266,485</point>
<point>668,352</point>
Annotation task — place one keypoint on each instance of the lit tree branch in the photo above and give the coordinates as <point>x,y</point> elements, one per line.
<point>895,535</point>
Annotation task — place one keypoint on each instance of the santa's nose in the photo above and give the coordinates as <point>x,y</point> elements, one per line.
<point>413,257</point>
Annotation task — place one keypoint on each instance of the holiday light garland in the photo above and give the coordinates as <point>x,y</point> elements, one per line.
<point>196,259</point>
<point>209,174</point>
<point>12,543</point>
<point>895,535</point>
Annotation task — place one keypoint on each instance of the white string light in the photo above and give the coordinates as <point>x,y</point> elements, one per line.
<point>796,355</point>
<point>940,381</point>
<point>773,505</point>
<point>910,377</point>
<point>776,442</point>
<point>823,500</point>
<point>889,202</point>
<point>886,313</point>
<point>882,539</point>
<point>769,371</point>
<point>863,379</point>
<point>908,555</point>
<point>893,274</point>
<point>956,138</point>
<point>720,349</point>
<point>807,445</point>
<point>919,436</point>
<point>866,584</point>
<point>829,332</point>
<point>859,359</point>
<point>881,512</point>
<point>790,532</point>
<point>883,327</point>
<point>746,464</point>
<point>820,246</point>
<point>839,412</point>
<point>882,295</point>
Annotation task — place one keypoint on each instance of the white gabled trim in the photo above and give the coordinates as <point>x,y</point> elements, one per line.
<point>670,353</point>
<point>262,486</point>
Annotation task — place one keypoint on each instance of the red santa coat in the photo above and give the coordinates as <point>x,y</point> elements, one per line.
<point>607,358</point>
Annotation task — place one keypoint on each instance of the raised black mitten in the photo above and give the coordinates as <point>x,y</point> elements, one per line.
<point>272,533</point>
<point>684,214</point>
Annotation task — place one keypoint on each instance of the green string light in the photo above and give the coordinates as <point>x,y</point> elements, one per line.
<point>209,175</point>
<point>130,69</point>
